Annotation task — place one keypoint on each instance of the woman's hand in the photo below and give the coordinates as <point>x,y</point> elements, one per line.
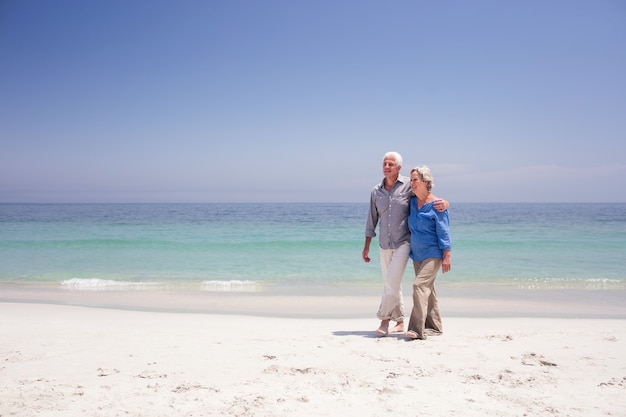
<point>446,263</point>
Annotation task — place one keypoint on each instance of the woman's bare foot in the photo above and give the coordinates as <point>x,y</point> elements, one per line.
<point>413,335</point>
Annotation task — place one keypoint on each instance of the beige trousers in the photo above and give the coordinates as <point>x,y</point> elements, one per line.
<point>393,263</point>
<point>425,314</point>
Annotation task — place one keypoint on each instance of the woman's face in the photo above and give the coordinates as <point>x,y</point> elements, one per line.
<point>416,182</point>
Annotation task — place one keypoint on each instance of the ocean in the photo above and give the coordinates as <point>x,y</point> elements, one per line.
<point>299,248</point>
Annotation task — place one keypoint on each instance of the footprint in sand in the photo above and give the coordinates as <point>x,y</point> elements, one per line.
<point>106,372</point>
<point>151,375</point>
<point>533,359</point>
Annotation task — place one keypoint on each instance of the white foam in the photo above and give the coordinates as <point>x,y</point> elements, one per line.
<point>97,284</point>
<point>230,286</point>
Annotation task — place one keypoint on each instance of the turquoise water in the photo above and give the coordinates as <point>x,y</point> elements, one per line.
<point>257,247</point>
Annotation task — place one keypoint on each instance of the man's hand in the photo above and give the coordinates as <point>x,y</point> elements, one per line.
<point>441,205</point>
<point>366,249</point>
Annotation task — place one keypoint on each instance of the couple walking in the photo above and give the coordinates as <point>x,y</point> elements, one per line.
<point>413,223</point>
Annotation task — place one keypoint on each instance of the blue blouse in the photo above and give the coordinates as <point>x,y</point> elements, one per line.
<point>430,231</point>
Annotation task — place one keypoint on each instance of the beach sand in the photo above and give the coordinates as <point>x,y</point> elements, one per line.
<point>68,360</point>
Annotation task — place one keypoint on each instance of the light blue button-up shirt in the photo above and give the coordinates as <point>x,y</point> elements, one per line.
<point>390,209</point>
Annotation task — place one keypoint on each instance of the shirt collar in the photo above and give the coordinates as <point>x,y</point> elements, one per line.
<point>401,179</point>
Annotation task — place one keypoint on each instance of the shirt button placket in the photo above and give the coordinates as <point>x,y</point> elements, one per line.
<point>389,204</point>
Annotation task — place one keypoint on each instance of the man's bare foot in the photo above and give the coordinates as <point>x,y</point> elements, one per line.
<point>384,328</point>
<point>399,328</point>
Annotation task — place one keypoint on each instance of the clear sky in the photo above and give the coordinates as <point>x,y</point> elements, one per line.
<point>297,101</point>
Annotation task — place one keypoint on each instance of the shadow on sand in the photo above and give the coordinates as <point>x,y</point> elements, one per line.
<point>369,334</point>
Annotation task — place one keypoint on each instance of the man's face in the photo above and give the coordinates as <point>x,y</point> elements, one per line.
<point>390,168</point>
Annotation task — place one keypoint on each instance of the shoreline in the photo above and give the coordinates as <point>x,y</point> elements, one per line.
<point>483,300</point>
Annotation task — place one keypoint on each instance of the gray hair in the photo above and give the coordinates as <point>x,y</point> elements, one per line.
<point>425,175</point>
<point>395,155</point>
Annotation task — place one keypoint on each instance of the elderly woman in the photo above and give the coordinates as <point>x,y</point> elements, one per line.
<point>430,250</point>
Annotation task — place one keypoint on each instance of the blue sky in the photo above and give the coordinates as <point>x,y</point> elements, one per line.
<point>297,101</point>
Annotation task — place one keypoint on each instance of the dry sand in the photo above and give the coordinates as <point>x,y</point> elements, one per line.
<point>60,360</point>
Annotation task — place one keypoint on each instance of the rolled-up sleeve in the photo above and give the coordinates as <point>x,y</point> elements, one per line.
<point>372,217</point>
<point>444,240</point>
